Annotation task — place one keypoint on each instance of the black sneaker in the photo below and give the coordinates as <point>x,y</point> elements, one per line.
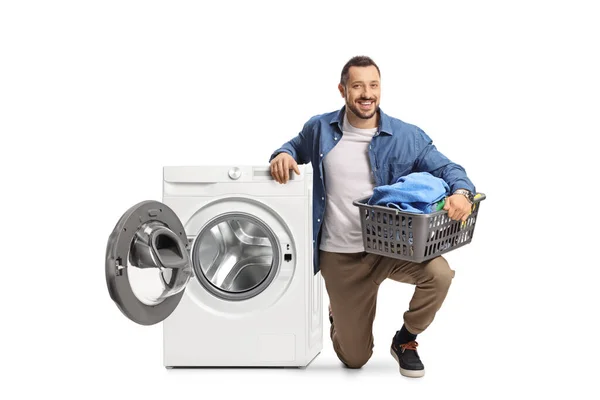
<point>407,357</point>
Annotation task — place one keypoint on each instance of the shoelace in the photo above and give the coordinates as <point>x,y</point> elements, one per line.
<point>409,346</point>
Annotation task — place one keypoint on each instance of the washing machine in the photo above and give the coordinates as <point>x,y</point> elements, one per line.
<point>224,261</point>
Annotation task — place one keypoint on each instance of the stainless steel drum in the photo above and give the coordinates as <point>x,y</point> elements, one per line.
<point>235,256</point>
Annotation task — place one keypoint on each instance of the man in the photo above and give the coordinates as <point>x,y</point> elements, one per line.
<point>352,151</point>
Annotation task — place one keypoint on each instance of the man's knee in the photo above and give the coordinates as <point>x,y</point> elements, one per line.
<point>356,360</point>
<point>439,272</point>
<point>354,352</point>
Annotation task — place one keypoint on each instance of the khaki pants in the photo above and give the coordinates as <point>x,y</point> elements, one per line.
<point>352,281</point>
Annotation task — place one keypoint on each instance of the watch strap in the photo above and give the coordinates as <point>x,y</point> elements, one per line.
<point>465,193</point>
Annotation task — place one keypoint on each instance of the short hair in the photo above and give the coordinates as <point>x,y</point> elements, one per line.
<point>357,61</point>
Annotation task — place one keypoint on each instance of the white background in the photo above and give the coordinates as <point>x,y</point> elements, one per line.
<point>96,97</point>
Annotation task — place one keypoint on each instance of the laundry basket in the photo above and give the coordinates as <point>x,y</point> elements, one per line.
<point>413,237</point>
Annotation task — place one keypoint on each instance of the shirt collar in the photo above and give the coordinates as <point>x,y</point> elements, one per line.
<point>385,125</point>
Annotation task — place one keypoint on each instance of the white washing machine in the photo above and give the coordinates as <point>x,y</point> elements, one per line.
<point>225,262</point>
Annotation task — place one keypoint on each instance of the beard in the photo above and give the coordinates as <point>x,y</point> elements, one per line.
<point>360,113</point>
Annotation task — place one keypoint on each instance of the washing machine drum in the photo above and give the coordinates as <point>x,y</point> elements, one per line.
<point>235,256</point>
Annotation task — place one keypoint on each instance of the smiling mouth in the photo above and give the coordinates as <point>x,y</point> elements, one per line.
<point>366,104</point>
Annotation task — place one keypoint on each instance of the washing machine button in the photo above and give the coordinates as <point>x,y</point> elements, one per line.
<point>235,173</point>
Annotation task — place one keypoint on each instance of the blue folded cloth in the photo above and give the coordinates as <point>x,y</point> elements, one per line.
<point>417,193</point>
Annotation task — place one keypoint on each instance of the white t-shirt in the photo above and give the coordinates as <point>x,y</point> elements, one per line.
<point>347,178</point>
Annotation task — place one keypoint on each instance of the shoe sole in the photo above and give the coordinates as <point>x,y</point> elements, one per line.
<point>409,373</point>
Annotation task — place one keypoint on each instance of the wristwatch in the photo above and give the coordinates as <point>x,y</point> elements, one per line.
<point>465,193</point>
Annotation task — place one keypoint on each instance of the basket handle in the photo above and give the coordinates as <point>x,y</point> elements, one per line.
<point>478,197</point>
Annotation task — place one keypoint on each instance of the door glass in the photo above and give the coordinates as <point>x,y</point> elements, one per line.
<point>157,266</point>
<point>235,255</point>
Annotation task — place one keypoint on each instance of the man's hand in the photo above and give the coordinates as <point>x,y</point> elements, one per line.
<point>281,166</point>
<point>458,207</point>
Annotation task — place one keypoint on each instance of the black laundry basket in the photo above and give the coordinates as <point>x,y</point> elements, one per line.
<point>413,237</point>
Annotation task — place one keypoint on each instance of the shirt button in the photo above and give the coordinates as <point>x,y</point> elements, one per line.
<point>335,138</point>
<point>319,220</point>
<point>322,198</point>
<point>321,155</point>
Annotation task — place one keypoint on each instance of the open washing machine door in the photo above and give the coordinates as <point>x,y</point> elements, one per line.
<point>147,262</point>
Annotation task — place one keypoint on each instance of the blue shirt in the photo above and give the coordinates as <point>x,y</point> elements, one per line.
<point>397,149</point>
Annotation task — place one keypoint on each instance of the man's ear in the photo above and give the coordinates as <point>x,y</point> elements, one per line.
<point>341,89</point>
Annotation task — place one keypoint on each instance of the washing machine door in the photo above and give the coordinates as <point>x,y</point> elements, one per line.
<point>147,262</point>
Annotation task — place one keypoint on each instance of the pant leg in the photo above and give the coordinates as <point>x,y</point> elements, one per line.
<point>432,279</point>
<point>350,284</point>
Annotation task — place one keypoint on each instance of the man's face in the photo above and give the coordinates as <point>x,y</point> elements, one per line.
<point>362,91</point>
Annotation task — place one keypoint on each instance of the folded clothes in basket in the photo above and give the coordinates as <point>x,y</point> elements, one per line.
<point>419,193</point>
